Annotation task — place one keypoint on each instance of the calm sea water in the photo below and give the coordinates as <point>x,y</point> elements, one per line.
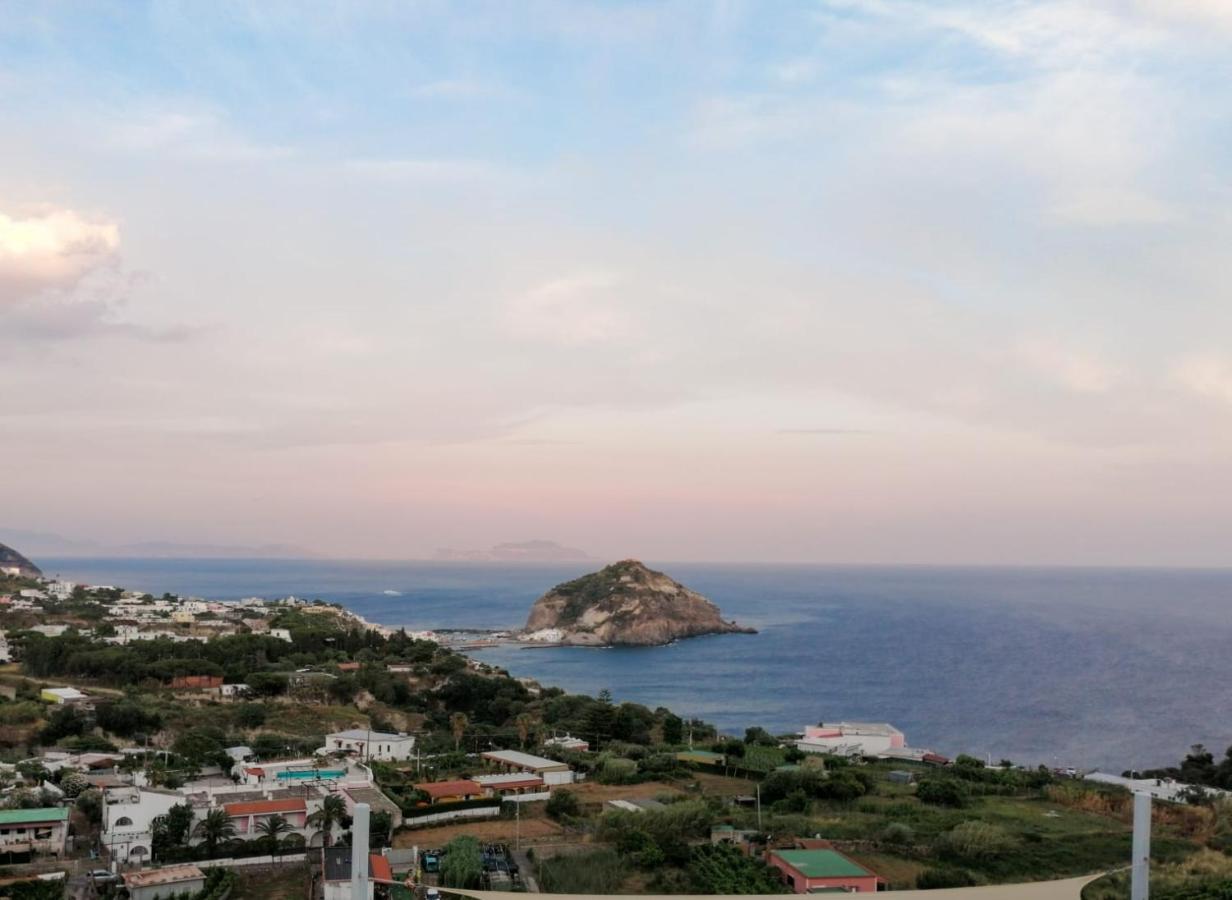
<point>1110,668</point>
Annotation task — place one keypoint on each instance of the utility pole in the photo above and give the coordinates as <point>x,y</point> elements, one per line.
<point>1140,886</point>
<point>759,806</point>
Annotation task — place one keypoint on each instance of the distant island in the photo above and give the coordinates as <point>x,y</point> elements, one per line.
<point>625,604</point>
<point>515,551</point>
<point>49,544</point>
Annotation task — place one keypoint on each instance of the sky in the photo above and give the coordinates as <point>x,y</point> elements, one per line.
<point>841,281</point>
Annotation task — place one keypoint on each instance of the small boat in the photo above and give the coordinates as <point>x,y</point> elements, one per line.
<point>392,593</point>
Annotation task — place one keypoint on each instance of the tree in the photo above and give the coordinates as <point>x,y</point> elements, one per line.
<point>73,782</point>
<point>600,718</point>
<point>271,830</point>
<point>171,829</point>
<point>250,715</point>
<point>332,811</point>
<point>524,722</point>
<point>673,729</point>
<point>215,828</point>
<point>380,825</point>
<point>758,735</point>
<point>462,866</point>
<point>457,727</point>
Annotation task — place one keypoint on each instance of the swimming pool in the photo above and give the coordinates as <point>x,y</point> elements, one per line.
<point>310,774</point>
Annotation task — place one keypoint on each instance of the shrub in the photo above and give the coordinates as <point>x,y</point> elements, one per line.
<point>596,872</point>
<point>973,841</point>
<point>943,792</point>
<point>898,834</point>
<point>944,877</point>
<point>563,804</point>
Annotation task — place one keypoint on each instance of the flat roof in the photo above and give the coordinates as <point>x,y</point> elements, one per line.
<point>525,760</point>
<point>30,816</point>
<point>363,734</point>
<point>822,863</point>
<point>168,875</point>
<point>509,779</point>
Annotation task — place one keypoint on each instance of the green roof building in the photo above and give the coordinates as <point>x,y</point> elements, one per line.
<point>822,871</point>
<point>41,830</point>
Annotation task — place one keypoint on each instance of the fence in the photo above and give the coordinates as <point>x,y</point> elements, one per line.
<point>444,812</point>
<point>237,861</point>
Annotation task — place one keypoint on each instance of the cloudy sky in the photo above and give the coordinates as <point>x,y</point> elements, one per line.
<point>837,281</point>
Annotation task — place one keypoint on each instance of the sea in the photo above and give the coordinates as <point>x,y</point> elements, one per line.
<point>1092,668</point>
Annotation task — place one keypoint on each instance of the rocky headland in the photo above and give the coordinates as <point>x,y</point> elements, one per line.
<point>624,604</point>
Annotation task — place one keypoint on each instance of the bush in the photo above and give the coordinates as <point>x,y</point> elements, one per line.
<point>936,878</point>
<point>462,866</point>
<point>943,792</point>
<point>596,872</point>
<point>563,804</point>
<point>974,841</point>
<point>898,834</point>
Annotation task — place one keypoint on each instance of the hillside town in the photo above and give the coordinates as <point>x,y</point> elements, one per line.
<point>177,746</point>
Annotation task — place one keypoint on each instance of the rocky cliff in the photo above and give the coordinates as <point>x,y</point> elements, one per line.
<point>624,604</point>
<point>11,559</point>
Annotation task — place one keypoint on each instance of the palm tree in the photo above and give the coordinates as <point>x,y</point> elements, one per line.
<point>272,829</point>
<point>457,724</point>
<point>525,722</point>
<point>332,811</point>
<point>215,828</point>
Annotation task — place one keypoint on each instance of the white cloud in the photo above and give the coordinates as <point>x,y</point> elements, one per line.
<point>571,311</point>
<point>1075,370</point>
<point>50,250</point>
<point>1205,374</point>
<point>423,170</point>
<point>194,135</point>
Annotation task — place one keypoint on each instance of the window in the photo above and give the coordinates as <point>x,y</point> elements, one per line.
<point>122,821</point>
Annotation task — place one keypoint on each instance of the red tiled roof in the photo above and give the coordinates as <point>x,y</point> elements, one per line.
<point>265,807</point>
<point>460,788</point>
<point>348,667</point>
<point>255,770</point>
<point>378,867</point>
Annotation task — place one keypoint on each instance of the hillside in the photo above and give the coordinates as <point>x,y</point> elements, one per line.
<point>11,559</point>
<point>624,604</point>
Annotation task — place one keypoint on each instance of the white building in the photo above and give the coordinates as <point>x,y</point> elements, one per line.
<point>283,633</point>
<point>851,738</point>
<point>128,816</point>
<point>62,695</point>
<point>567,742</point>
<point>183,880</point>
<point>367,744</point>
<point>550,770</point>
<point>5,655</point>
<point>50,630</point>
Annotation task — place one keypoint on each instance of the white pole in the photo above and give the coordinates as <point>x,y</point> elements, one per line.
<point>1140,888</point>
<point>359,852</point>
